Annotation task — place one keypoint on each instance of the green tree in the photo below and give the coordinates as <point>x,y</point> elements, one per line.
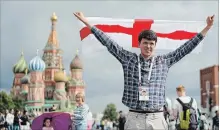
<point>18,103</point>
<point>110,112</point>
<point>6,101</point>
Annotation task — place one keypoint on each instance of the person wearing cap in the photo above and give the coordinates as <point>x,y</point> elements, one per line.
<point>145,71</point>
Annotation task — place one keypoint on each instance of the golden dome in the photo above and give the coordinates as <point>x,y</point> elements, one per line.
<point>60,76</point>
<point>53,17</point>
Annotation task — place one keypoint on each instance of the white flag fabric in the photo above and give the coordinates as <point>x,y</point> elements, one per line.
<point>171,34</point>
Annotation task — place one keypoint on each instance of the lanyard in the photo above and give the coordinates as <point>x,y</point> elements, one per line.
<point>139,69</point>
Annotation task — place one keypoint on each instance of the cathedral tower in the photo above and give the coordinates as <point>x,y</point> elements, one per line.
<point>52,57</point>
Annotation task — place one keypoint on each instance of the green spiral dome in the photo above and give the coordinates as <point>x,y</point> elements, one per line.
<point>21,66</point>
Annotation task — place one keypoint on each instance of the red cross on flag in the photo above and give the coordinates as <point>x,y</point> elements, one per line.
<point>171,34</point>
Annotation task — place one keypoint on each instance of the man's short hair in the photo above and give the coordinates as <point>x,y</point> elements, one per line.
<point>180,88</point>
<point>147,34</point>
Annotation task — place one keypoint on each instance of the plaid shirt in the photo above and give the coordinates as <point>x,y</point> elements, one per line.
<point>161,64</point>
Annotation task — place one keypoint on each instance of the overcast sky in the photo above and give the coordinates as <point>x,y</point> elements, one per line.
<point>27,25</point>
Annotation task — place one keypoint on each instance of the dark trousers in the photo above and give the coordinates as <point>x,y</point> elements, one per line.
<point>121,126</point>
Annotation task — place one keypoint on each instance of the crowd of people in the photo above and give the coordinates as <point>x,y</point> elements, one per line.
<point>15,120</point>
<point>186,107</point>
<point>107,124</point>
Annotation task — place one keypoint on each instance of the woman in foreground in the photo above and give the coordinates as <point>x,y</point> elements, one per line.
<point>79,117</point>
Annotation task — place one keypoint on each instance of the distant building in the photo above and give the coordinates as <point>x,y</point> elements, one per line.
<point>44,83</point>
<point>209,81</point>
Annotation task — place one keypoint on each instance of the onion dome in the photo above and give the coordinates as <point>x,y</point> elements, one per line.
<point>60,76</point>
<point>76,62</point>
<point>21,66</point>
<point>37,64</point>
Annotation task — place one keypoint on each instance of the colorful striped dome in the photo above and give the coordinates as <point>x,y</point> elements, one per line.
<point>21,66</point>
<point>37,64</point>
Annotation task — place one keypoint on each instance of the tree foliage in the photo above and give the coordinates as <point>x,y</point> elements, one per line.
<point>6,101</point>
<point>19,104</point>
<point>110,112</point>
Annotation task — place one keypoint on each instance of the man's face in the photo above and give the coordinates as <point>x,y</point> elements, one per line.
<point>12,111</point>
<point>178,93</point>
<point>147,47</point>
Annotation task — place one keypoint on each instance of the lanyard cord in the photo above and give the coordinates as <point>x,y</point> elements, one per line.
<point>139,69</point>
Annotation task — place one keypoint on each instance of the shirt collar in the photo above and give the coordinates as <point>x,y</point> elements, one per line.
<point>145,59</point>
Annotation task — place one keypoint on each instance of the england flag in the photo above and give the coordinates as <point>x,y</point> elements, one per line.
<point>171,34</point>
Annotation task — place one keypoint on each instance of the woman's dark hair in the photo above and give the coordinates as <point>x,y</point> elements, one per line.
<point>24,112</point>
<point>147,34</point>
<point>16,112</point>
<point>45,119</point>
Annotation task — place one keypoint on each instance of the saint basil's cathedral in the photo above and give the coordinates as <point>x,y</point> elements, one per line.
<point>42,83</point>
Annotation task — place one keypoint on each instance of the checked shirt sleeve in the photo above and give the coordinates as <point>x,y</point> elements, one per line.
<point>116,50</point>
<point>173,57</point>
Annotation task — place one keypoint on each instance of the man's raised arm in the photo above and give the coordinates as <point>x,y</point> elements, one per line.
<point>173,57</point>
<point>116,50</point>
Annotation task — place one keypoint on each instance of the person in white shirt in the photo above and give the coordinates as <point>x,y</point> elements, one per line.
<point>177,107</point>
<point>204,123</point>
<point>9,119</point>
<point>89,120</point>
<point>109,124</point>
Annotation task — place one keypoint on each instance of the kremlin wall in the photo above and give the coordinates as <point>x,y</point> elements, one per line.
<point>43,83</point>
<point>209,94</point>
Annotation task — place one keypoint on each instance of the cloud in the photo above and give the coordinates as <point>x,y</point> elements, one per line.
<point>27,25</point>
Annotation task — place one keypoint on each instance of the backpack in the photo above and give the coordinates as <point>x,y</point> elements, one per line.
<point>188,117</point>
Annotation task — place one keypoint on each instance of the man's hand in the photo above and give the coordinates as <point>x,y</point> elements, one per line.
<point>210,20</point>
<point>81,17</point>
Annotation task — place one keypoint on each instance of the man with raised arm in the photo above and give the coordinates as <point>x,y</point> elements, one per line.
<point>145,72</point>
